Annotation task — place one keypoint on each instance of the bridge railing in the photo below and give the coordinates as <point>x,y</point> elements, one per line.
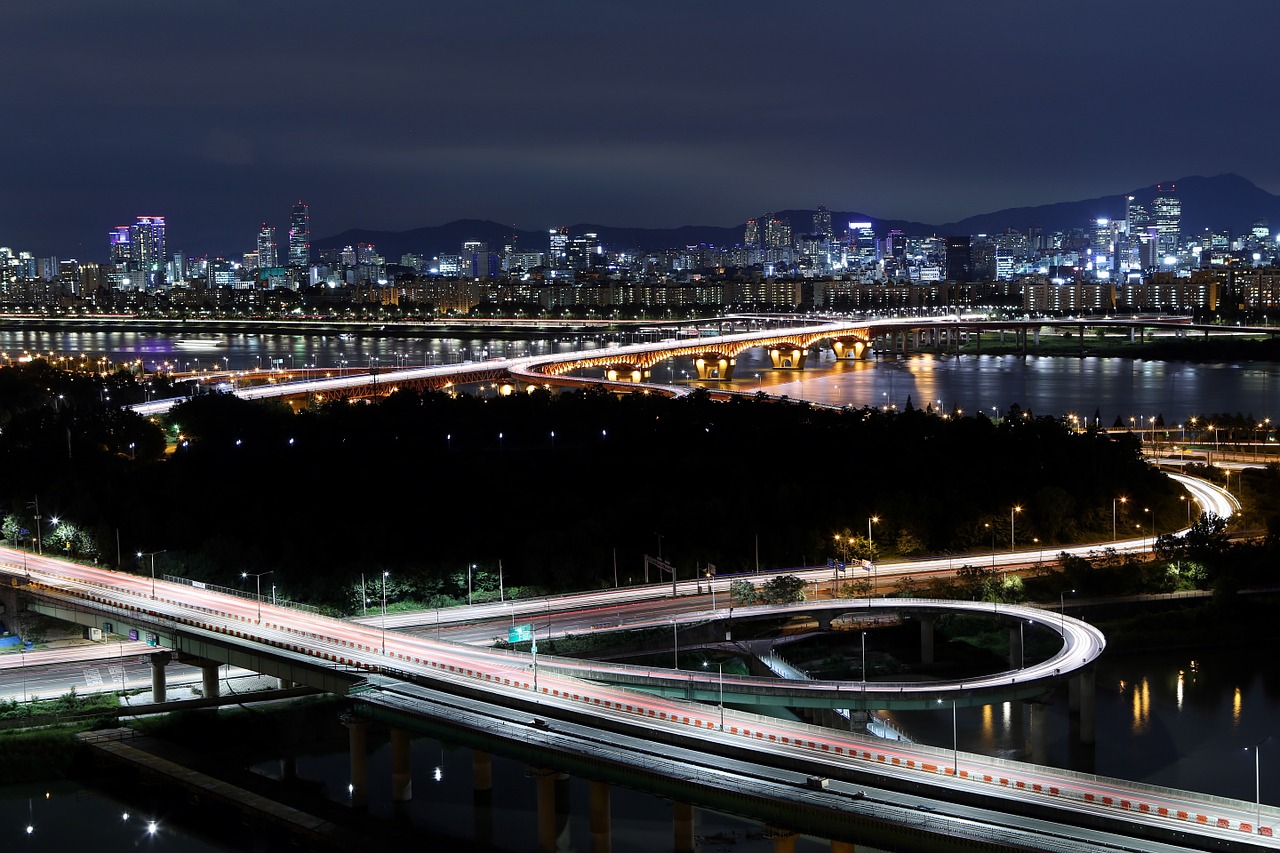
<point>242,593</point>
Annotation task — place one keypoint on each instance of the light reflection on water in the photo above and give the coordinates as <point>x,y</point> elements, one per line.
<point>1110,388</point>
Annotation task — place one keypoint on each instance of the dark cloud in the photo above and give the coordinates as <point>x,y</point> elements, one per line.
<point>399,113</point>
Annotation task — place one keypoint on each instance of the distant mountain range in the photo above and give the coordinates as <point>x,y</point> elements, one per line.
<point>1221,202</point>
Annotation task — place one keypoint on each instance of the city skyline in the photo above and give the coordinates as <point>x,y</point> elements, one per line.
<point>653,116</point>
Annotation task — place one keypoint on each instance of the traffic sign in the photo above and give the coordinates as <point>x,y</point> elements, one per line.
<point>520,633</point>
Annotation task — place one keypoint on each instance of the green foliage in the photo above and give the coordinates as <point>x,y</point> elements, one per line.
<point>744,593</point>
<point>782,589</point>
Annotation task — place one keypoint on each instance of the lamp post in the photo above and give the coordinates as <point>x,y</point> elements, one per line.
<point>1062,607</point>
<point>720,670</point>
<point>1151,544</point>
<point>1257,781</point>
<point>152,555</point>
<point>675,647</point>
<point>955,741</point>
<point>992,528</point>
<point>1012,515</point>
<point>864,660</point>
<point>257,576</point>
<point>385,575</point>
<point>1113,515</point>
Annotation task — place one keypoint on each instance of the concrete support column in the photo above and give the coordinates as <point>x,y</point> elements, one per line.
<point>481,771</point>
<point>1035,337</point>
<point>482,799</point>
<point>683,827</point>
<point>601,834</point>
<point>283,684</point>
<point>358,739</point>
<point>1088,706</point>
<point>553,810</point>
<point>784,840</point>
<point>209,678</point>
<point>1039,733</point>
<point>159,661</point>
<point>1016,657</point>
<point>842,847</point>
<point>401,766</point>
<point>926,639</point>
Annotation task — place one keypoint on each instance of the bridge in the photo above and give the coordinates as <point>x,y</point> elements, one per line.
<point>714,357</point>
<point>391,676</point>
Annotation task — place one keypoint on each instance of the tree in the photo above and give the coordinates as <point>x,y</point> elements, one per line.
<point>743,593</point>
<point>783,589</point>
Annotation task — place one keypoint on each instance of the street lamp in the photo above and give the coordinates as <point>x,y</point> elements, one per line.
<point>1012,514</point>
<point>1151,546</point>
<point>864,660</point>
<point>1113,515</point>
<point>152,555</point>
<point>1257,780</point>
<point>955,741</point>
<point>675,647</point>
<point>257,576</point>
<point>870,544</point>
<point>385,575</point>
<point>720,670</point>
<point>1062,607</point>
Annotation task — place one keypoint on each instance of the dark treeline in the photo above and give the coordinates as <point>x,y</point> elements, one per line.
<point>424,485</point>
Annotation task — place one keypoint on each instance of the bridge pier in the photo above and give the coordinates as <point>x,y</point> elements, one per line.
<point>553,810</point>
<point>358,742</point>
<point>1088,705</point>
<point>482,798</point>
<point>601,833</point>
<point>849,349</point>
<point>1016,656</point>
<point>787,357</point>
<point>401,766</point>
<point>159,661</point>
<point>784,840</point>
<point>683,825</point>
<point>209,678</point>
<point>926,639</point>
<point>714,367</point>
<point>1039,732</point>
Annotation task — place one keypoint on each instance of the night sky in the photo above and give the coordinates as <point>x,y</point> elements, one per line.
<point>395,114</point>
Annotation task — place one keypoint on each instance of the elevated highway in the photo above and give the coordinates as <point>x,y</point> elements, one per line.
<point>339,656</point>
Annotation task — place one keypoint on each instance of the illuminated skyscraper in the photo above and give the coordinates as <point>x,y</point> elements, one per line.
<point>300,236</point>
<point>120,251</point>
<point>751,238</point>
<point>267,257</point>
<point>149,253</point>
<point>1167,209</point>
<point>777,234</point>
<point>558,254</point>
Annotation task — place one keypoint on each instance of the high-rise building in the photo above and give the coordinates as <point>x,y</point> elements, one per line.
<point>822,222</point>
<point>120,248</point>
<point>300,236</point>
<point>957,259</point>
<point>1136,218</point>
<point>751,238</point>
<point>150,253</point>
<point>267,256</point>
<point>1167,211</point>
<point>862,240</point>
<point>558,255</point>
<point>777,234</point>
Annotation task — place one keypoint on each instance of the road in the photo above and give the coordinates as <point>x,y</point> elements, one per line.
<point>508,677</point>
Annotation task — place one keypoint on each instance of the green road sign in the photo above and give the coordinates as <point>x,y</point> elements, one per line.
<point>520,633</point>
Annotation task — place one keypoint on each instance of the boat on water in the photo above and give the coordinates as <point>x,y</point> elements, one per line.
<point>199,343</point>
